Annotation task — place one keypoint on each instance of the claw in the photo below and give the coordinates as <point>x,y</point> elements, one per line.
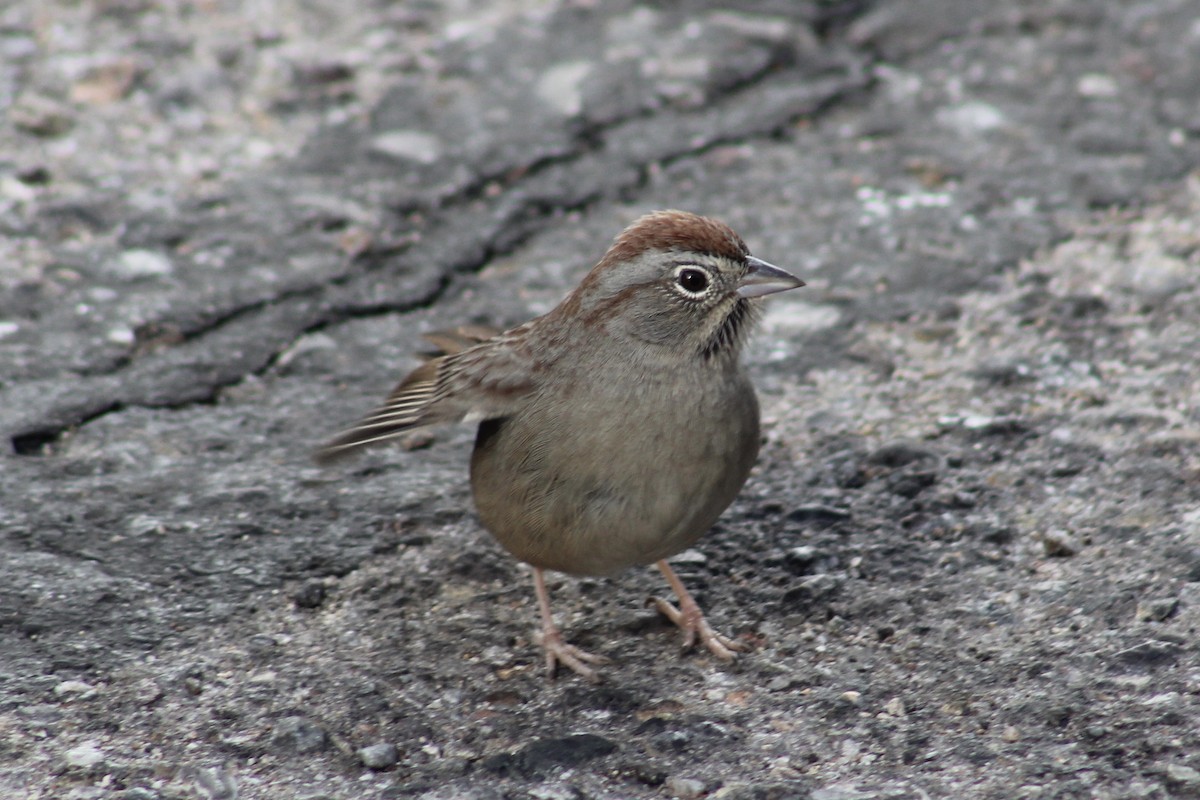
<point>556,649</point>
<point>577,660</point>
<point>691,621</point>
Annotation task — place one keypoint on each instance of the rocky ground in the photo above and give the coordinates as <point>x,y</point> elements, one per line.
<point>968,561</point>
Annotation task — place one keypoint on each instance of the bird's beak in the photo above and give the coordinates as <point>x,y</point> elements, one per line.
<point>763,278</point>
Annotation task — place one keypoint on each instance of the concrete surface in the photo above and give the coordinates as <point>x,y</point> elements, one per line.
<point>969,560</point>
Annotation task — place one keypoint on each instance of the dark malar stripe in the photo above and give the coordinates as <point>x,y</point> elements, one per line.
<point>728,335</point>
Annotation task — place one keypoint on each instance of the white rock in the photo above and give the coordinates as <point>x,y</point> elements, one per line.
<point>560,89</point>
<point>141,264</point>
<point>410,145</point>
<point>87,754</point>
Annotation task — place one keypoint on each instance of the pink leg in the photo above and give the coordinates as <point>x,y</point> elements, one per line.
<point>557,650</point>
<point>690,618</point>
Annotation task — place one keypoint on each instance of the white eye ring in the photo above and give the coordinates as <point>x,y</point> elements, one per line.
<point>692,280</point>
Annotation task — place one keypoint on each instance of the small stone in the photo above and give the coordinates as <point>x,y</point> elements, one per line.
<point>310,595</point>
<point>1010,733</point>
<point>34,175</point>
<point>895,707</point>
<point>379,756</point>
<point>13,189</point>
<point>1182,773</point>
<point>299,735</point>
<point>41,116</point>
<point>147,692</point>
<point>106,83</point>
<point>555,792</point>
<point>803,554</point>
<point>1095,84</point>
<point>77,688</point>
<point>138,263</point>
<point>685,788</point>
<point>690,557</point>
<point>140,793</point>
<point>775,790</point>
<point>1156,610</point>
<point>121,335</point>
<point>87,754</point>
<point>838,792</point>
<point>971,118</point>
<point>1159,275</point>
<point>560,86</point>
<point>852,697</point>
<point>260,645</point>
<point>322,73</point>
<point>408,145</point>
<point>671,741</point>
<point>1059,544</point>
<point>992,426</point>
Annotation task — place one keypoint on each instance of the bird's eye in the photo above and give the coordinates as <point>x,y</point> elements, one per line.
<point>692,280</point>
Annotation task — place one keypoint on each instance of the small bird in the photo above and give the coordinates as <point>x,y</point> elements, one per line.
<point>615,429</point>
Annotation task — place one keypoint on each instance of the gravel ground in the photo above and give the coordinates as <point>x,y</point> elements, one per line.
<point>968,561</point>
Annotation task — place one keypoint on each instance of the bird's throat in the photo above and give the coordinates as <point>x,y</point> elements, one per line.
<point>725,338</point>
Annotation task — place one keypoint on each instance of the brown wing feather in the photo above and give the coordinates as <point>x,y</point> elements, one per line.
<point>455,340</point>
<point>479,381</point>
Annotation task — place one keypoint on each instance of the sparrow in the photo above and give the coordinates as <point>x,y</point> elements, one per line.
<point>613,430</point>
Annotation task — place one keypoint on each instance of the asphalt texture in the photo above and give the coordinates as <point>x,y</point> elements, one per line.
<point>968,562</point>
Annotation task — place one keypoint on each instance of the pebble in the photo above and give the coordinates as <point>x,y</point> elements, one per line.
<point>379,756</point>
<point>1096,84</point>
<point>1182,773</point>
<point>685,788</point>
<point>41,116</point>
<point>689,557</point>
<point>800,557</point>
<point>134,264</point>
<point>310,595</point>
<point>560,86</point>
<point>1157,609</point>
<point>1059,544</point>
<point>990,425</point>
<point>408,145</point>
<point>555,792</point>
<point>140,793</point>
<point>299,735</point>
<point>87,754</point>
<point>779,790</point>
<point>971,118</point>
<point>838,792</point>
<point>80,688</point>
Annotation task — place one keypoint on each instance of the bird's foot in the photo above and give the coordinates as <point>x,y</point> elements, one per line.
<point>691,621</point>
<point>577,660</point>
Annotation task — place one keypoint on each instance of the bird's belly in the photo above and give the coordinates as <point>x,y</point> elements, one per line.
<point>612,493</point>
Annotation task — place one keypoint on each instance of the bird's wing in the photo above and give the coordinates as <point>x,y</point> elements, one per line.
<point>483,381</point>
<point>455,340</point>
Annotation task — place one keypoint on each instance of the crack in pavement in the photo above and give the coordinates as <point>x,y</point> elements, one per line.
<point>245,340</point>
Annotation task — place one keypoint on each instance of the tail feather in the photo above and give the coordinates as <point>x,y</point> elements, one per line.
<point>450,387</point>
<point>409,406</point>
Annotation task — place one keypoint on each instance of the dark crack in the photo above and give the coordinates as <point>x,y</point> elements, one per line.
<point>195,369</point>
